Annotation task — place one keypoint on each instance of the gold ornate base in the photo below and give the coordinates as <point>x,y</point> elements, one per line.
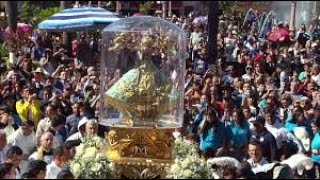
<point>140,153</point>
<point>135,169</point>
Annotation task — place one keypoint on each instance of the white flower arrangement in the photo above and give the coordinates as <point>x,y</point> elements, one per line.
<point>91,161</point>
<point>191,167</point>
<point>184,148</point>
<point>188,164</point>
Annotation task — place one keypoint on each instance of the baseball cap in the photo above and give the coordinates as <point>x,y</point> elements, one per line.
<point>259,120</point>
<point>82,122</point>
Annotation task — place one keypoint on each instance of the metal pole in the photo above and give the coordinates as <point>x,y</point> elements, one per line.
<point>77,4</point>
<point>169,8</point>
<point>12,11</point>
<point>293,15</point>
<point>118,6</point>
<point>64,34</point>
<point>164,10</point>
<point>213,23</point>
<point>314,10</point>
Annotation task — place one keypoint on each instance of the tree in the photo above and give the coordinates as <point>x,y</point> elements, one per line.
<point>35,12</point>
<point>146,7</point>
<point>213,25</point>
<point>12,11</point>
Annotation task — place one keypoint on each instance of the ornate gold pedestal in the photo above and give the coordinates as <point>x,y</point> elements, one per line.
<point>140,153</point>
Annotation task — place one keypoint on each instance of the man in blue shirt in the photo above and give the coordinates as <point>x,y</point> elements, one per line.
<point>267,140</point>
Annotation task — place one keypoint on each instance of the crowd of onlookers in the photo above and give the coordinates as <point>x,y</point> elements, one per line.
<point>258,103</point>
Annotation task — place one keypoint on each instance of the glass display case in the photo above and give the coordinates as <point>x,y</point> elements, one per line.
<point>142,69</point>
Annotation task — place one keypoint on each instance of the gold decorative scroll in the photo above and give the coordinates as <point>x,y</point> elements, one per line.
<point>138,143</point>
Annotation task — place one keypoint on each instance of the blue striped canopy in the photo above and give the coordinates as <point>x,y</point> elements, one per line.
<point>79,19</point>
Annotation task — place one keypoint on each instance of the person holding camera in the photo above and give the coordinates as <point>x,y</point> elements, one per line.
<point>28,107</point>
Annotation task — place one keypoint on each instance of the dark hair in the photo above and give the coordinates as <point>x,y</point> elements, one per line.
<point>65,174</point>
<point>57,121</point>
<point>317,122</point>
<point>27,123</point>
<point>229,170</point>
<point>89,88</point>
<point>255,142</point>
<point>5,168</point>
<point>36,166</point>
<point>28,175</point>
<point>245,171</point>
<point>14,150</point>
<point>58,152</point>
<point>53,106</point>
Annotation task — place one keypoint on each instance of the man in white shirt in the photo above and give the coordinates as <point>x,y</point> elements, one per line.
<point>3,146</point>
<point>55,167</point>
<point>24,138</point>
<point>255,152</point>
<point>278,131</point>
<point>44,152</point>
<point>45,123</point>
<point>57,123</point>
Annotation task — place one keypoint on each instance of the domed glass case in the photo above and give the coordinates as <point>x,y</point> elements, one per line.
<point>142,73</point>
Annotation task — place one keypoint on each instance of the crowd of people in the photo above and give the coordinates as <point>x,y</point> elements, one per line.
<point>259,103</point>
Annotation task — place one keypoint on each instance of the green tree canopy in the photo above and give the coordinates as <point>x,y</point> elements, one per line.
<point>34,12</point>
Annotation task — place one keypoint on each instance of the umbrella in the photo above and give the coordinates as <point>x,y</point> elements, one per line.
<point>199,20</point>
<point>138,14</point>
<point>22,30</point>
<point>79,19</point>
<point>278,35</point>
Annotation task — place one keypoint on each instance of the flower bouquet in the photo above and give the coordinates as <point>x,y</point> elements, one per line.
<point>192,167</point>
<point>185,148</point>
<point>188,164</point>
<point>90,161</point>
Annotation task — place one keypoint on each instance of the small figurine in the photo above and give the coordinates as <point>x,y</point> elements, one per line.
<point>144,93</point>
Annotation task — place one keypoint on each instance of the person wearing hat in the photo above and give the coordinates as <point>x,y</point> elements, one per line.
<point>268,142</point>
<point>24,138</point>
<point>39,78</point>
<point>228,77</point>
<point>86,127</point>
<point>247,77</point>
<point>303,56</point>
